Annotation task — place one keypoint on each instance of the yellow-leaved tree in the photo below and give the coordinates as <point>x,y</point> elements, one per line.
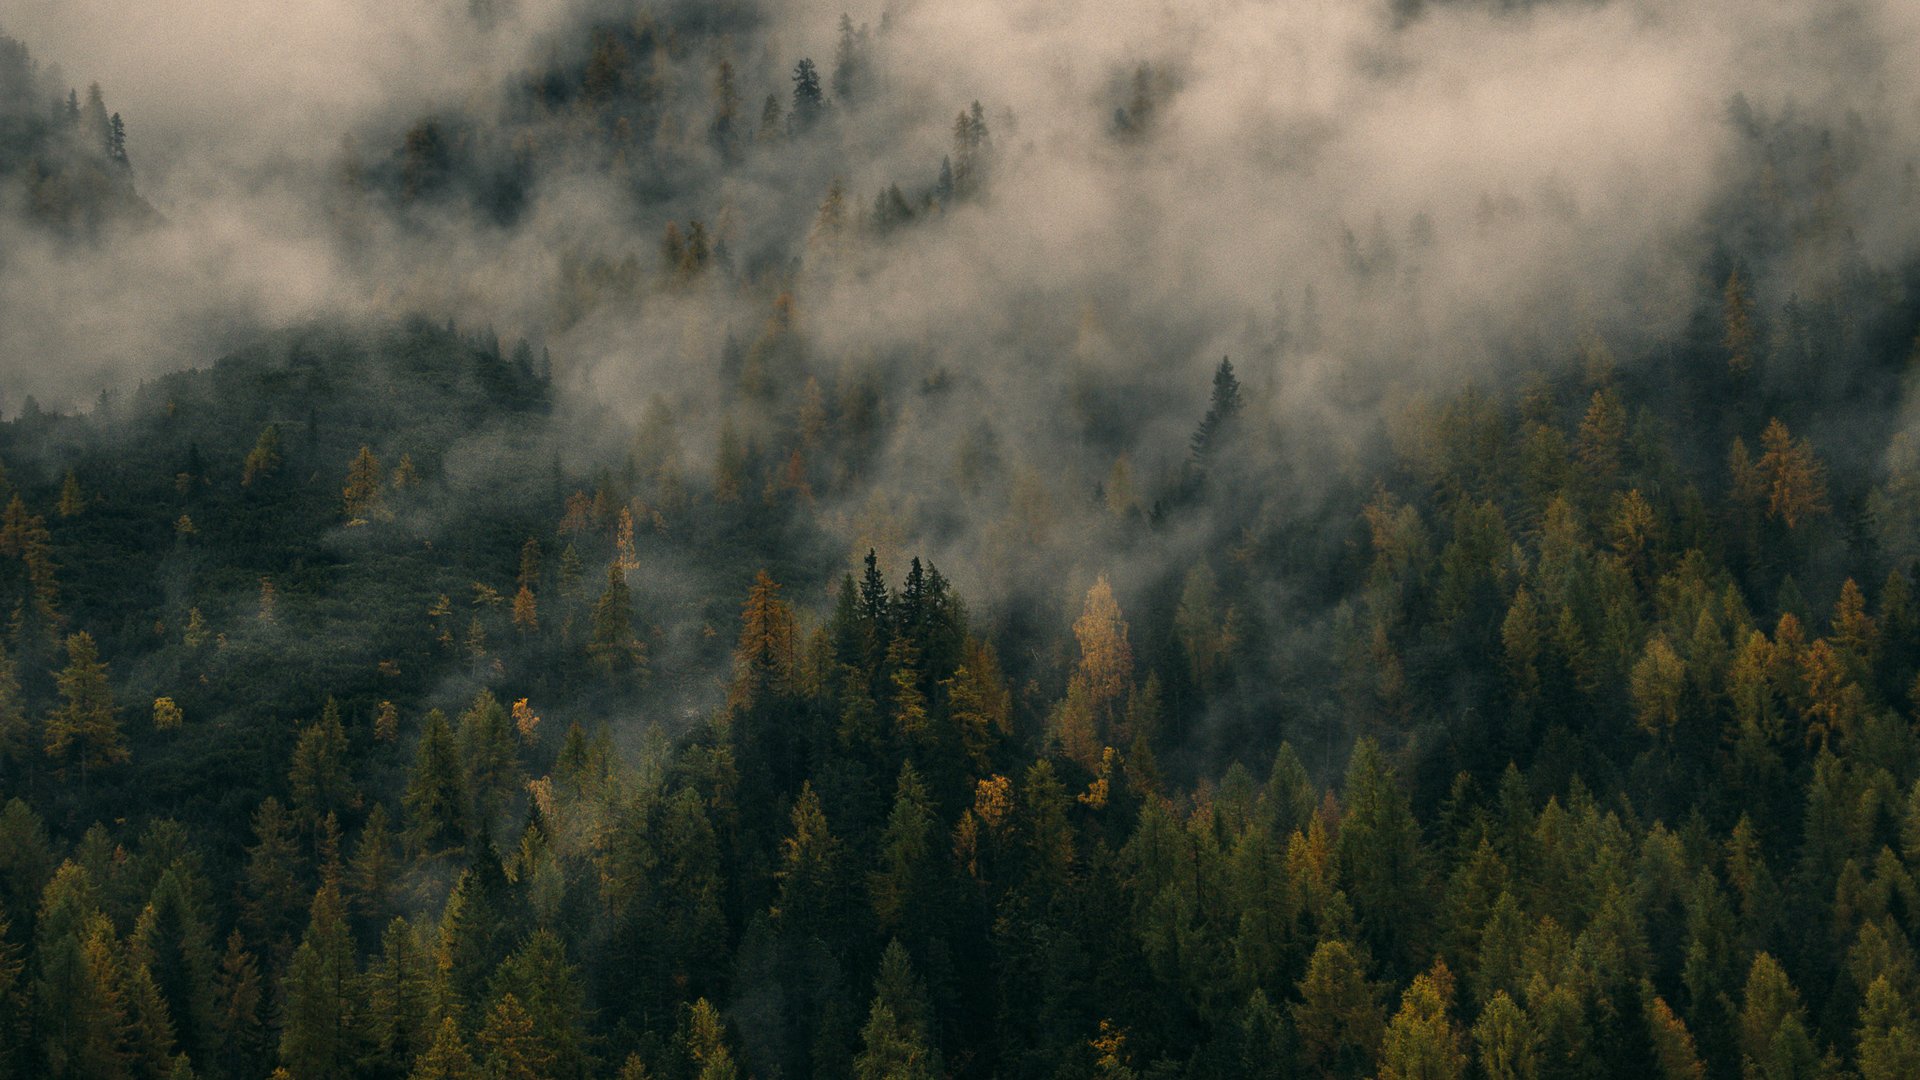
<point>1098,689</point>
<point>1422,1042</point>
<point>1795,478</point>
<point>364,497</point>
<point>85,726</point>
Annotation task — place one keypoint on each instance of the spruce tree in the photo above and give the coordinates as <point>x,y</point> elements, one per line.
<point>1223,410</point>
<point>436,798</point>
<point>808,101</point>
<point>318,779</point>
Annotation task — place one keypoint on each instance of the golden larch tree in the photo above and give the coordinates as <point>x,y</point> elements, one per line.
<point>1657,683</point>
<point>526,611</point>
<point>71,499</point>
<point>364,497</point>
<point>624,555</point>
<point>1097,691</point>
<point>1422,1042</point>
<point>1602,432</point>
<point>1796,479</point>
<point>85,726</point>
<point>264,459</point>
<point>1106,657</point>
<point>405,475</point>
<point>766,658</point>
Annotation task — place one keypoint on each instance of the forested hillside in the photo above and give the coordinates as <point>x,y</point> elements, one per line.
<point>62,163</point>
<point>713,588</point>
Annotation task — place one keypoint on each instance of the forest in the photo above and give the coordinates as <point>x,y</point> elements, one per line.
<point>658,557</point>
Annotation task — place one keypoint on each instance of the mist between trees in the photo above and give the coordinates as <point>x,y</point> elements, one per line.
<point>959,539</point>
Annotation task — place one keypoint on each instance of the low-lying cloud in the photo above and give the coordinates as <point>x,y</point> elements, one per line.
<point>1357,201</point>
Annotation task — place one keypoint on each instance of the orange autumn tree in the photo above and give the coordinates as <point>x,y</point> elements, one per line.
<point>1796,480</point>
<point>526,606</point>
<point>1097,691</point>
<point>764,661</point>
<point>364,498</point>
<point>85,726</point>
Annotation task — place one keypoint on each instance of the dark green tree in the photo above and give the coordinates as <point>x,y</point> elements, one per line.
<point>808,100</point>
<point>436,797</point>
<point>323,1011</point>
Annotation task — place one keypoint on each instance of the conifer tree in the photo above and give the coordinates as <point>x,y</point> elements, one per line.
<point>81,1005</point>
<point>1338,1017</point>
<point>703,1039</point>
<point>1422,1042</point>
<point>1673,1047</point>
<point>172,946</point>
<point>970,145</point>
<point>808,101</point>
<point>725,126</point>
<point>1796,480</point>
<point>809,874</point>
<point>448,1057</point>
<point>526,611</point>
<point>364,497</point>
<point>1380,856</point>
<point>900,889</point>
<point>765,660</point>
<point>1097,690</point>
<point>16,727</point>
<point>614,648</point>
<point>436,796</point>
<point>399,998</point>
<point>1223,410</point>
<point>849,61</point>
<point>509,1047</point>
<point>1889,1038</point>
<point>1505,1044</point>
<point>318,780</point>
<point>1773,1037</point>
<point>772,120</point>
<point>979,704</point>
<point>321,1015</point>
<point>490,753</point>
<point>372,870</point>
<point>1601,438</point>
<point>72,502</point>
<point>405,474</point>
<point>943,185</point>
<point>896,1042</point>
<point>271,903</point>
<point>1106,658</point>
<point>97,125</point>
<point>546,988</point>
<point>263,461</point>
<point>26,537</point>
<point>1657,684</point>
<point>85,727</point>
<point>238,1001</point>
<point>1739,335</point>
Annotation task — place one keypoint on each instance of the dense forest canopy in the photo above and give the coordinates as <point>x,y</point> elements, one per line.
<point>740,539</point>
